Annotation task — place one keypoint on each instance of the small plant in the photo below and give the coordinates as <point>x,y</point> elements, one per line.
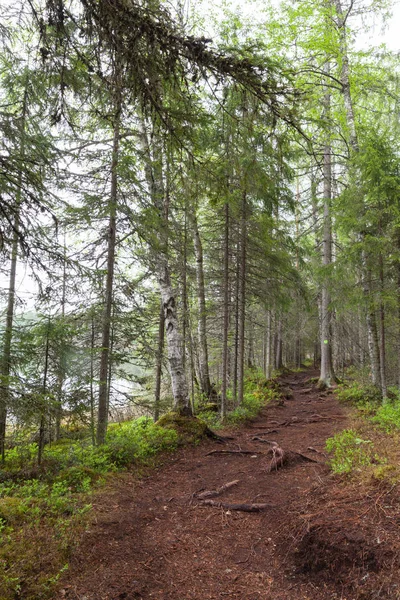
<point>388,417</point>
<point>363,395</point>
<point>350,452</point>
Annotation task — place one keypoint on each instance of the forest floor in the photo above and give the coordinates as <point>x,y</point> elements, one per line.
<point>320,536</point>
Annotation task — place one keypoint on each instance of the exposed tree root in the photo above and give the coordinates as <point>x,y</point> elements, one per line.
<point>218,491</point>
<point>278,457</point>
<point>242,507</point>
<point>281,457</point>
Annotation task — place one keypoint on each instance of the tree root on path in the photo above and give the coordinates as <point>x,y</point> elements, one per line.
<point>217,492</point>
<point>280,457</point>
<point>242,507</point>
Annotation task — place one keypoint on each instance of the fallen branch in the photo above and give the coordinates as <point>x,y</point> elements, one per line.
<point>242,507</point>
<point>231,452</point>
<point>218,491</point>
<point>265,433</point>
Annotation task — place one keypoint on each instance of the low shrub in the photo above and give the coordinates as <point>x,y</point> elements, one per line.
<point>363,395</point>
<point>349,452</point>
<point>388,417</point>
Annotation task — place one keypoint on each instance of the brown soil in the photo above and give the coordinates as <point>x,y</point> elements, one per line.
<point>318,537</point>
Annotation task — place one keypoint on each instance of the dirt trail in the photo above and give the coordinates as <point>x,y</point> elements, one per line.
<point>154,539</point>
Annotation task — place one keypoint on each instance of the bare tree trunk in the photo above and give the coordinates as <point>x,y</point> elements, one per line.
<point>279,344</point>
<point>110,362</point>
<point>382,347</point>
<point>225,330</point>
<point>202,318</point>
<point>236,336</point>
<point>102,417</point>
<point>92,340</point>
<point>42,425</point>
<point>327,375</point>
<point>160,351</point>
<point>268,348</point>
<point>61,374</point>
<point>184,294</point>
<point>242,298</point>
<point>5,365</point>
<point>398,311</point>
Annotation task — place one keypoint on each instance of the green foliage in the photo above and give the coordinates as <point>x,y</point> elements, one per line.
<point>362,395</point>
<point>258,392</point>
<point>350,452</point>
<point>42,511</point>
<point>388,416</point>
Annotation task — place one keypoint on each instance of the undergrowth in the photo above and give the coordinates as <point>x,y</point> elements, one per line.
<point>257,393</point>
<point>349,451</point>
<point>44,510</point>
<point>368,447</point>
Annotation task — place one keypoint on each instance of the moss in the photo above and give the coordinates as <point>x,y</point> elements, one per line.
<point>12,510</point>
<point>189,429</point>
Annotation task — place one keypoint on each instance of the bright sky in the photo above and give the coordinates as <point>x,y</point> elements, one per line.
<point>375,34</point>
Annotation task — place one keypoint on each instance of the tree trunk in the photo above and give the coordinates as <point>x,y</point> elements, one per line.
<point>327,375</point>
<point>42,425</point>
<point>102,418</point>
<point>236,336</point>
<point>160,351</point>
<point>225,330</point>
<point>92,422</point>
<point>61,372</point>
<point>174,342</point>
<point>382,347</point>
<point>242,299</point>
<point>202,318</point>
<point>268,346</point>
<point>279,345</point>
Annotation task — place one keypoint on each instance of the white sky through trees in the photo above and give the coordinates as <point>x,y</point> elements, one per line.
<point>372,30</point>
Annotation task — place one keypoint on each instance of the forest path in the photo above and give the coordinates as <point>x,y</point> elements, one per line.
<point>153,539</point>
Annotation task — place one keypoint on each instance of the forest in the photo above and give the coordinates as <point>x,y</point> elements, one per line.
<point>199,213</point>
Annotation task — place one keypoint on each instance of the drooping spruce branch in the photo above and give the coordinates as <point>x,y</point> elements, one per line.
<point>153,48</point>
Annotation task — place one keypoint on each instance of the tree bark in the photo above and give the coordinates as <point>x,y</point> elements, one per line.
<point>327,375</point>
<point>42,425</point>
<point>225,329</point>
<point>202,315</point>
<point>236,334</point>
<point>160,351</point>
<point>242,298</point>
<point>102,416</point>
<point>382,347</point>
<point>61,367</point>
